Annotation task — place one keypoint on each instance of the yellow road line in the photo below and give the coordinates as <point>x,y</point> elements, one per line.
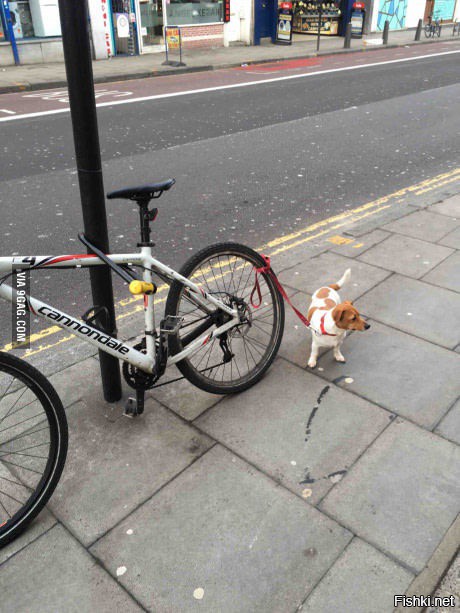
<point>325,226</point>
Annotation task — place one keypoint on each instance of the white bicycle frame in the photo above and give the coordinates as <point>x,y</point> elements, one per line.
<point>94,336</point>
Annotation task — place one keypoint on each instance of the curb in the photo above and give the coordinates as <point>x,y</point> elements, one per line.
<point>19,87</point>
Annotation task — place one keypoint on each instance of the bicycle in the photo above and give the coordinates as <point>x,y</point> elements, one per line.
<point>220,340</point>
<point>433,28</point>
<point>456,28</point>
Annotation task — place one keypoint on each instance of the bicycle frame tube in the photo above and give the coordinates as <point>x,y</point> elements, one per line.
<point>105,342</point>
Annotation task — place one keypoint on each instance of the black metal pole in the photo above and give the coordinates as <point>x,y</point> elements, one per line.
<point>347,42</point>
<point>77,54</point>
<point>320,13</point>
<point>418,33</point>
<point>386,29</point>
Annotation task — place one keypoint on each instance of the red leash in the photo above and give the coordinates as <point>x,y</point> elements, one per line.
<point>267,269</point>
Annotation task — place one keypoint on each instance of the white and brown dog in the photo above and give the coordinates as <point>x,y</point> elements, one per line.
<point>330,319</point>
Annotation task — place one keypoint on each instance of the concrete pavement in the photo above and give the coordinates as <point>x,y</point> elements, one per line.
<point>221,505</point>
<point>45,76</point>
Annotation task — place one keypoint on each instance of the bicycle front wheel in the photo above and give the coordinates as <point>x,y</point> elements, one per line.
<point>33,444</point>
<point>241,356</point>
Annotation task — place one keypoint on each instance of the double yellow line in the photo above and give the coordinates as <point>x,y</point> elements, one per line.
<point>133,304</point>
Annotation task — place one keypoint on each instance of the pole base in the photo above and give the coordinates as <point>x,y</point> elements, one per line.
<point>171,63</point>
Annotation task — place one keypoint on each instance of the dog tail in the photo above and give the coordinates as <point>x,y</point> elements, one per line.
<point>343,280</point>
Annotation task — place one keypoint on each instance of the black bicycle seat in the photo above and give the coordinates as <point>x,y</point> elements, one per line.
<point>142,192</point>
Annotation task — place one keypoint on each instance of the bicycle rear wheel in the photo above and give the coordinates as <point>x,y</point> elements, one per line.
<point>227,271</point>
<point>33,444</point>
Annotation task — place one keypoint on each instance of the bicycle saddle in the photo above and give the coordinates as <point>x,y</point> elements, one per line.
<point>142,192</point>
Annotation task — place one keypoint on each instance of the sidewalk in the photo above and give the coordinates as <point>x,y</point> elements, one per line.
<point>42,76</point>
<point>220,505</point>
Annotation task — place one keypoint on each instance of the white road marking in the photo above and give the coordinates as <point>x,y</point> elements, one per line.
<point>235,85</point>
<point>7,111</point>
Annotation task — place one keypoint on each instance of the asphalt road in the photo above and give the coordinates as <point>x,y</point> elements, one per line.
<point>251,163</point>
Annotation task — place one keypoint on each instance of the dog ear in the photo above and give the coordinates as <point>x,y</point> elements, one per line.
<point>338,312</point>
<point>349,302</point>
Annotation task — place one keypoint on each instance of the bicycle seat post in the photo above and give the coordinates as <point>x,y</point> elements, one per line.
<point>145,217</point>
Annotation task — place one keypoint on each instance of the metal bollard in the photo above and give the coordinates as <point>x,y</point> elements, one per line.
<point>386,29</point>
<point>418,32</point>
<point>347,42</point>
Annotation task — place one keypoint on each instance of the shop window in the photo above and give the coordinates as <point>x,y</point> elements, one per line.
<point>21,19</point>
<point>189,13</point>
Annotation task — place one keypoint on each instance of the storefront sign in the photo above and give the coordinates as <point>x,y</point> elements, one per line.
<point>188,13</point>
<point>122,24</point>
<point>106,27</point>
<point>309,25</point>
<point>226,11</point>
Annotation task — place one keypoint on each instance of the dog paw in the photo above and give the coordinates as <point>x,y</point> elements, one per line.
<point>312,363</point>
<point>339,358</point>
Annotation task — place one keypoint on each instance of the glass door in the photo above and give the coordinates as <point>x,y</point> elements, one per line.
<point>151,25</point>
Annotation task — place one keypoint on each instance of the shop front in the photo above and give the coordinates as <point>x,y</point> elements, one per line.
<point>36,29</point>
<point>309,16</point>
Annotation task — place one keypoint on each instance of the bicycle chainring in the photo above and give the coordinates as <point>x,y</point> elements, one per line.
<point>136,378</point>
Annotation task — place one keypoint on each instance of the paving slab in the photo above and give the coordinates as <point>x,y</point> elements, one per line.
<point>374,222</point>
<point>402,494</point>
<point>182,397</point>
<point>77,381</point>
<point>450,425</point>
<point>406,255</point>
<point>222,537</point>
<point>390,368</point>
<point>447,274</point>
<point>356,246</point>
<point>450,207</point>
<point>452,239</point>
<point>363,580</point>
<point>56,574</point>
<point>39,526</point>
<point>424,225</point>
<point>269,424</point>
<point>416,307</point>
<point>113,465</point>
<point>327,268</point>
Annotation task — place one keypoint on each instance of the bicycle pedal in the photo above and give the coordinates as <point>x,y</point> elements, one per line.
<point>131,408</point>
<point>170,324</point>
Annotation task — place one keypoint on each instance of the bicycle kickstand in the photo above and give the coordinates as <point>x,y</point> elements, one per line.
<point>135,406</point>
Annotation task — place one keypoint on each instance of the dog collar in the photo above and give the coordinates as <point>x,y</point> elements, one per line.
<point>323,330</point>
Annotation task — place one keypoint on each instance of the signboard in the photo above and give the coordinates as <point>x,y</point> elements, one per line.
<point>172,38</point>
<point>122,25</point>
<point>173,42</point>
<point>357,24</point>
<point>284,30</point>
<point>226,11</point>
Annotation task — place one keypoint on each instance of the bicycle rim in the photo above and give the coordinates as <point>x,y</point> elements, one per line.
<point>33,444</point>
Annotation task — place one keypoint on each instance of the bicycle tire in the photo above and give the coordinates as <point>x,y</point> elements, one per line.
<point>428,31</point>
<point>438,31</point>
<point>240,340</point>
<point>31,390</point>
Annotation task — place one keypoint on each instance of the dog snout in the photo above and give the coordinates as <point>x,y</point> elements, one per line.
<point>367,326</point>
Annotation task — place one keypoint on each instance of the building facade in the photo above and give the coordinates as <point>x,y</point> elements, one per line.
<point>402,14</point>
<point>124,27</point>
